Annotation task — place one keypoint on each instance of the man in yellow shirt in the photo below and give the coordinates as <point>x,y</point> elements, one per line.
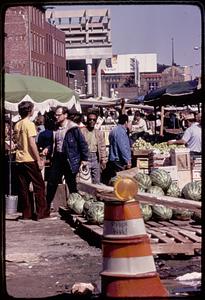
<point>29,164</point>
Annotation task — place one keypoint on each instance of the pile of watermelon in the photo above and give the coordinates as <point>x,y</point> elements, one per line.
<point>87,205</point>
<point>159,183</point>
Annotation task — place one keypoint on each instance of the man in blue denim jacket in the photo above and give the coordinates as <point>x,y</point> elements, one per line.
<point>70,150</point>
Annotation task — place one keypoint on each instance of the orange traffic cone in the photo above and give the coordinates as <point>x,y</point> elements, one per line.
<point>128,265</point>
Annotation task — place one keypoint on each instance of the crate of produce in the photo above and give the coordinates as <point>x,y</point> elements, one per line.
<point>159,159</point>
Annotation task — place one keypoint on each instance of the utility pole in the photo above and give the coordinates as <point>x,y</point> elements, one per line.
<point>173,63</point>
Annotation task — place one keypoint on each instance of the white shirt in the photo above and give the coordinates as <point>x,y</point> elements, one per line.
<point>140,126</point>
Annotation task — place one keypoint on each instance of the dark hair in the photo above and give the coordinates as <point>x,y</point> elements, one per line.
<point>123,119</point>
<point>64,109</point>
<point>24,108</point>
<point>137,114</point>
<point>92,113</point>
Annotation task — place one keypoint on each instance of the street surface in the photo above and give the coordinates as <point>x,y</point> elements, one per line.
<point>45,259</point>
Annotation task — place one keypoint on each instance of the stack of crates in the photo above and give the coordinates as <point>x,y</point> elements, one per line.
<point>196,167</point>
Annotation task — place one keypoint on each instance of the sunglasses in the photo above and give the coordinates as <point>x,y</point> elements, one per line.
<point>92,120</point>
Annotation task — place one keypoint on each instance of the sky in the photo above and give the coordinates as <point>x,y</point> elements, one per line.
<point>151,28</point>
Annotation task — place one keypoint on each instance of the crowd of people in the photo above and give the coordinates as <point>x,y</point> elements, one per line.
<point>55,146</point>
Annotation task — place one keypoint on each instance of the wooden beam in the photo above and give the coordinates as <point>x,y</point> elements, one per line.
<point>162,121</point>
<point>107,193</point>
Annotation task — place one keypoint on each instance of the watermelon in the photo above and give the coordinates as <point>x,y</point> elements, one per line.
<point>192,191</point>
<point>161,178</point>
<point>197,217</point>
<point>161,212</point>
<point>78,206</point>
<point>140,189</point>
<point>146,210</point>
<point>173,190</point>
<point>86,206</point>
<point>144,181</point>
<point>72,198</point>
<point>156,190</point>
<point>181,214</point>
<point>95,213</point>
<point>88,197</point>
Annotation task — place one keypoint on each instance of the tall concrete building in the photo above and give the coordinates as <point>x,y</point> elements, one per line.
<point>32,45</point>
<point>88,41</point>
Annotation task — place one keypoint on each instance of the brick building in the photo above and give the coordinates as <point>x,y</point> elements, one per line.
<point>32,45</point>
<point>124,86</point>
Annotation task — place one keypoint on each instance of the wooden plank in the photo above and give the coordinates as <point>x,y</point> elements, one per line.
<point>162,237</point>
<point>175,248</point>
<point>153,223</point>
<point>174,233</point>
<point>180,222</point>
<point>130,172</point>
<point>190,235</point>
<point>195,230</point>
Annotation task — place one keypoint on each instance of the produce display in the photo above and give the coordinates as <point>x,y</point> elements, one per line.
<point>158,183</point>
<point>162,148</point>
<point>159,179</point>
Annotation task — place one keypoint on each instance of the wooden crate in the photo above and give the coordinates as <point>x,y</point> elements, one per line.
<point>180,157</point>
<point>140,153</point>
<point>142,163</point>
<point>184,177</point>
<point>196,175</point>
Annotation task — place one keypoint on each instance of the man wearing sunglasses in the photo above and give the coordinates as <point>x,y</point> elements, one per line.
<point>97,147</point>
<point>70,151</point>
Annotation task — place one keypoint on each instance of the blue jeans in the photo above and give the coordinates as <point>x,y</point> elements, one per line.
<point>94,167</point>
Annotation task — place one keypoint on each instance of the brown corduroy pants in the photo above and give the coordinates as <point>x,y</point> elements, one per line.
<point>28,172</point>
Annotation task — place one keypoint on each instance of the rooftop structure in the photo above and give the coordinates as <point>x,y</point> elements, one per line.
<point>87,37</point>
